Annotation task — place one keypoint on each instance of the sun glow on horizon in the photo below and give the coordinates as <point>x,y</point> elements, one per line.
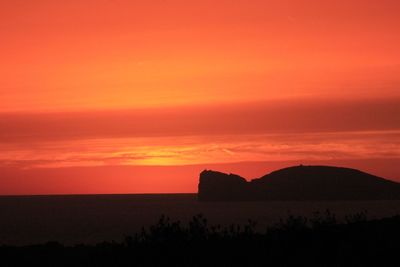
<point>189,150</point>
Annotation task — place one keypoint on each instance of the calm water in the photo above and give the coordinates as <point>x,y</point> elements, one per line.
<point>94,218</point>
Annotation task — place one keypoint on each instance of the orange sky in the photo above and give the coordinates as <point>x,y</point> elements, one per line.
<point>181,83</point>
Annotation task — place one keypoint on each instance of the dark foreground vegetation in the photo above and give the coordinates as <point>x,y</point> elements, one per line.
<point>296,241</point>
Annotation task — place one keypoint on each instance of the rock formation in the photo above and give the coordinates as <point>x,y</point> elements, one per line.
<point>314,183</point>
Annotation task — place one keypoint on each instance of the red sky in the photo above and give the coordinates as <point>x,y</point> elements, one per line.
<point>125,86</point>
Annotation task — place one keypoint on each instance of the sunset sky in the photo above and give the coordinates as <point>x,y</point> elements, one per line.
<point>118,96</point>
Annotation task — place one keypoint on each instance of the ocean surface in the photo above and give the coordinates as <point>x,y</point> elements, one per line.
<point>72,219</point>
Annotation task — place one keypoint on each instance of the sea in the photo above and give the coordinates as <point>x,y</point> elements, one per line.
<point>77,219</point>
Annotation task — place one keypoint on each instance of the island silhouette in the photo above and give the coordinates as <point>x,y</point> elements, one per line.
<point>298,183</point>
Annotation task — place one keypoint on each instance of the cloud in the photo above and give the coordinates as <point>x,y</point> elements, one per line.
<point>187,150</point>
<point>290,130</point>
<point>289,116</point>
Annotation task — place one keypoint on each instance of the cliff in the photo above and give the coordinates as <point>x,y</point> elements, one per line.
<point>314,183</point>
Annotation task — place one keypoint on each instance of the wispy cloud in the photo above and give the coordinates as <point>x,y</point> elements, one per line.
<point>334,129</point>
<point>289,116</point>
<point>200,149</point>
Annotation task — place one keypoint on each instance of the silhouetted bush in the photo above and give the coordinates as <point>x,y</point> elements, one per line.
<point>296,241</point>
